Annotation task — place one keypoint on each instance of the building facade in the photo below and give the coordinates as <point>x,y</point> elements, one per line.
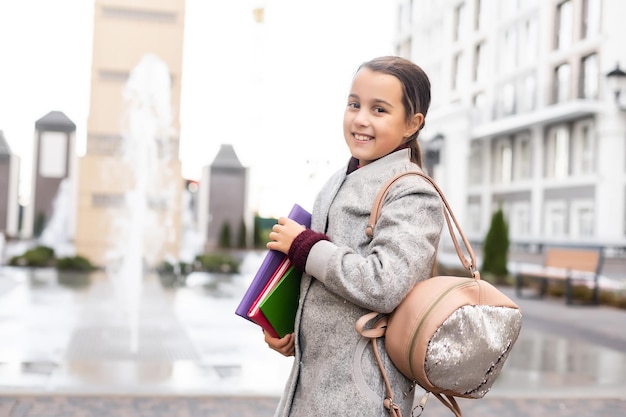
<point>131,167</point>
<point>522,116</point>
<point>9,182</point>
<point>54,162</point>
<point>222,201</point>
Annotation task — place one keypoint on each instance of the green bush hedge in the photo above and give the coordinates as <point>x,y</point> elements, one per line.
<point>74,263</point>
<point>217,262</point>
<point>39,256</point>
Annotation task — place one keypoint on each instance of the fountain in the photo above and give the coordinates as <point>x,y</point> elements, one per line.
<point>142,231</point>
<point>57,232</point>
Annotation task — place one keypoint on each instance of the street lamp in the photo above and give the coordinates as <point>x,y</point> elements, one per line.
<point>616,81</point>
<point>432,153</point>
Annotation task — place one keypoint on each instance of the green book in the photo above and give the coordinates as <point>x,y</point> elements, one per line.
<point>280,305</point>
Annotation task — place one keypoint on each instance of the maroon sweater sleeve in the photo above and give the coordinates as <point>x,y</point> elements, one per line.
<point>301,246</point>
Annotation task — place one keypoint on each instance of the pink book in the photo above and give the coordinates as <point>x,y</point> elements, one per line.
<point>255,314</point>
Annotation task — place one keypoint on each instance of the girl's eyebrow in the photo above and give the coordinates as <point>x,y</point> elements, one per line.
<point>376,100</point>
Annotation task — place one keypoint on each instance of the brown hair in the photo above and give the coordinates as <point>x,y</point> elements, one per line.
<point>415,92</point>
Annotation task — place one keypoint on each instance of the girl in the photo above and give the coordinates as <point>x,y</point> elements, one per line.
<point>346,273</point>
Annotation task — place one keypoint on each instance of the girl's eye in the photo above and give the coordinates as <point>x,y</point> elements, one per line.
<point>379,110</point>
<point>353,105</point>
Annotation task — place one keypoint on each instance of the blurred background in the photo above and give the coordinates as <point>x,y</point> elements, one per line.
<point>147,147</point>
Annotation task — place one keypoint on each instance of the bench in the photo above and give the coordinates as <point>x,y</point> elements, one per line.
<point>564,264</point>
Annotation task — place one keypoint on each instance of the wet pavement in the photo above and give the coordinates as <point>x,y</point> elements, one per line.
<point>68,348</point>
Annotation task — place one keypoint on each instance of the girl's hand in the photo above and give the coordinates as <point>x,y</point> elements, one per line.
<point>285,346</point>
<point>283,234</point>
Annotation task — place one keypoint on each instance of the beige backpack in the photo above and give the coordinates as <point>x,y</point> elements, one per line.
<point>450,335</point>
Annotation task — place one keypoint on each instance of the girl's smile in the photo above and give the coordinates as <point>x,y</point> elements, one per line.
<point>362,138</point>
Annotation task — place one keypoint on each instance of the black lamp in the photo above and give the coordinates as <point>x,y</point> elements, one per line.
<point>616,81</point>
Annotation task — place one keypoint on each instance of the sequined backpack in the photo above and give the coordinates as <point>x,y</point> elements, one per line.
<point>450,335</point>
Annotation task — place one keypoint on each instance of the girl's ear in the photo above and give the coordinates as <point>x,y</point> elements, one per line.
<point>415,124</point>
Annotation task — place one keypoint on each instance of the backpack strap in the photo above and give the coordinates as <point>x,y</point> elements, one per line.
<point>470,264</point>
<point>379,328</point>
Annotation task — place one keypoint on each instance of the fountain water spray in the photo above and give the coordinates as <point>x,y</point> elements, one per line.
<point>142,229</point>
<point>57,233</point>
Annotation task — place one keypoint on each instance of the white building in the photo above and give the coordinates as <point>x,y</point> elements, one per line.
<point>527,117</point>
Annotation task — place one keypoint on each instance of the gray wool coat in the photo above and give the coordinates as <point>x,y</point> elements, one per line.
<point>335,372</point>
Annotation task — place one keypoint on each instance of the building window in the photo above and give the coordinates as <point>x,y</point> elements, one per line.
<point>557,152</point>
<point>509,50</point>
<point>523,157</point>
<point>564,26</point>
<point>562,77</point>
<point>479,62</point>
<point>479,108</point>
<point>457,71</point>
<point>520,219</point>
<point>474,213</point>
<point>480,19</point>
<point>460,22</point>
<point>508,99</point>
<point>476,163</point>
<point>583,148</point>
<point>529,44</point>
<point>582,218</point>
<point>114,75</point>
<point>555,217</point>
<point>53,152</point>
<point>108,200</point>
<point>502,161</point>
<point>136,14</point>
<point>100,144</point>
<point>591,18</point>
<point>589,77</point>
<point>527,99</point>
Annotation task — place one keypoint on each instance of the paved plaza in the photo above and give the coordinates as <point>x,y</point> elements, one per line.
<point>76,350</point>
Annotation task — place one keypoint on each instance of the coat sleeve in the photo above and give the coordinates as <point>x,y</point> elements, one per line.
<point>400,254</point>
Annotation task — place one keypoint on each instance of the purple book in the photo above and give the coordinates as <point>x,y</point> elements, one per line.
<point>270,263</point>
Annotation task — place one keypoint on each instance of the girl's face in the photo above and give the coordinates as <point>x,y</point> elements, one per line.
<point>374,123</point>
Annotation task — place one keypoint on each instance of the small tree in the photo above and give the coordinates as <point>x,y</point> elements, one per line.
<point>40,224</point>
<point>496,247</point>
<point>242,240</point>
<point>225,236</point>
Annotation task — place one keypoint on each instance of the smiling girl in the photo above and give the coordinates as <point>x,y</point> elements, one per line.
<point>348,274</point>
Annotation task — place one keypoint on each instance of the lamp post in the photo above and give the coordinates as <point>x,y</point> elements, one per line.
<point>616,81</point>
<point>432,153</point>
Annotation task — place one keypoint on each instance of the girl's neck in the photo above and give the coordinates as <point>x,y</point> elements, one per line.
<point>353,164</point>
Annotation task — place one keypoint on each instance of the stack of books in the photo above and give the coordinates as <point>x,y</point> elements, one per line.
<point>271,300</point>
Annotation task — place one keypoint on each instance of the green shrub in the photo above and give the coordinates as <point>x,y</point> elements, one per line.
<point>217,263</point>
<point>496,247</point>
<point>182,268</point>
<point>40,224</point>
<point>225,240</point>
<point>75,263</point>
<point>39,256</point>
<point>242,241</point>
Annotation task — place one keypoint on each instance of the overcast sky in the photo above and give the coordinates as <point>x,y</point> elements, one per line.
<point>275,91</point>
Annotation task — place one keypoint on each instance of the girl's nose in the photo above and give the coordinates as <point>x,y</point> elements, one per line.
<point>361,118</point>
